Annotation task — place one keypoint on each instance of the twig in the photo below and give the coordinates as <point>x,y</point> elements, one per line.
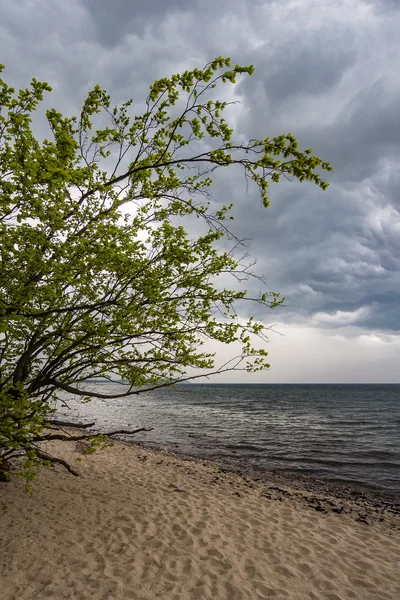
<point>54,459</point>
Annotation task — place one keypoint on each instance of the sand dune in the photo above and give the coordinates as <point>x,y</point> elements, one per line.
<point>141,525</point>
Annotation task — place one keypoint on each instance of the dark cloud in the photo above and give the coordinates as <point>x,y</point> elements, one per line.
<point>335,86</point>
<point>310,64</point>
<point>114,20</point>
<point>384,6</point>
<point>365,134</point>
<point>327,72</point>
<point>338,252</point>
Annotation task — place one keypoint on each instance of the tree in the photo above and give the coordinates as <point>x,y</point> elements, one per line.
<point>99,277</point>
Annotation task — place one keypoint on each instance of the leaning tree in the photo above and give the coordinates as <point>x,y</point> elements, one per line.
<point>99,276</point>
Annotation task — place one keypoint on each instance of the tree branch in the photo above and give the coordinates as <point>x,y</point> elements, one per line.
<point>69,424</point>
<point>78,438</point>
<point>56,460</point>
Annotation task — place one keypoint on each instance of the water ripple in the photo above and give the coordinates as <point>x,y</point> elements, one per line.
<point>337,431</point>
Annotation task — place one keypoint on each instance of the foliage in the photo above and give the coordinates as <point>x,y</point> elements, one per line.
<point>99,277</point>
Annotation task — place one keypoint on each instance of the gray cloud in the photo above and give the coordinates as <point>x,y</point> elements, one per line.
<point>114,20</point>
<point>338,251</point>
<point>327,72</point>
<point>310,65</point>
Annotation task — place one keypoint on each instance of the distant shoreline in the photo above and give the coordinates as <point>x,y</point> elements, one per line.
<point>264,383</point>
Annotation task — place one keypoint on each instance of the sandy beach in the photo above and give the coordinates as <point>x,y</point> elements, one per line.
<point>139,524</point>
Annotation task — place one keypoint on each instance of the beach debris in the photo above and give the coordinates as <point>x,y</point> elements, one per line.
<point>175,488</point>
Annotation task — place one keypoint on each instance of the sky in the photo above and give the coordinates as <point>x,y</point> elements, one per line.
<point>328,72</point>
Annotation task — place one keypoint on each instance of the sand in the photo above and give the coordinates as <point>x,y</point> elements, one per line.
<point>139,525</point>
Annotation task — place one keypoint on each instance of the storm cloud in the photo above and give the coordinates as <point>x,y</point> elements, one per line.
<point>327,71</point>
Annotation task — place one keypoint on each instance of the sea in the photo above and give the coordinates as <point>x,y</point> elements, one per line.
<point>346,433</point>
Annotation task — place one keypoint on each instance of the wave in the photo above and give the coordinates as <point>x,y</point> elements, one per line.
<point>239,446</point>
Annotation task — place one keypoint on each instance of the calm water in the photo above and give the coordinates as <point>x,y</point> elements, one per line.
<point>346,432</point>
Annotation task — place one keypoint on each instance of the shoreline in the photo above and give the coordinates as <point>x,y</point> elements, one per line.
<point>142,524</point>
<point>366,505</point>
<point>363,503</point>
<point>309,482</point>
